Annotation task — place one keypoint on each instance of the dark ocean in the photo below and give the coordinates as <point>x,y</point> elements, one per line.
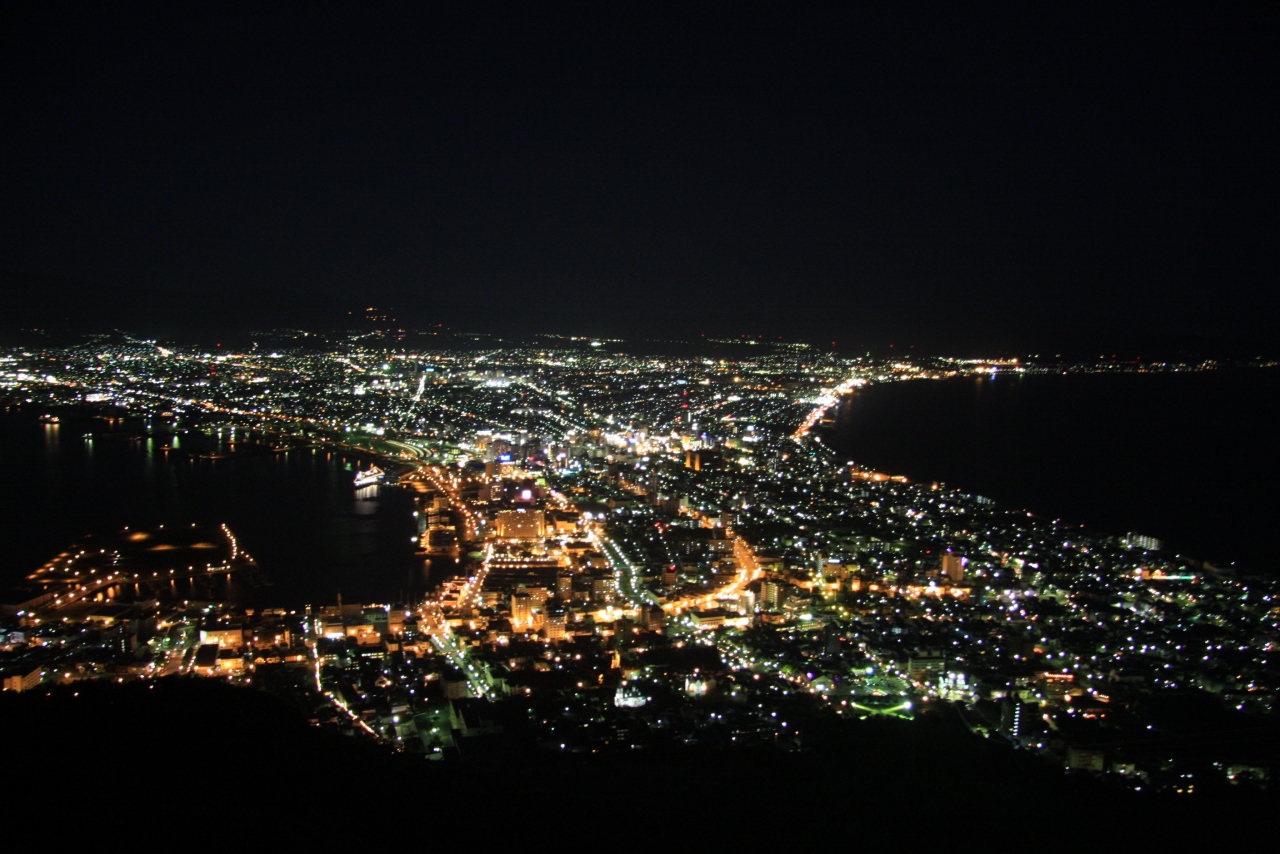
<point>1190,458</point>
<point>298,513</point>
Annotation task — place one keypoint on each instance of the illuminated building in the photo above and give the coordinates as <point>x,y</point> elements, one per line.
<point>224,637</point>
<point>564,586</point>
<point>1019,719</point>
<point>926,663</point>
<point>601,590</point>
<point>714,618</point>
<point>20,682</point>
<point>1135,540</point>
<point>1057,686</point>
<point>554,620</point>
<point>521,610</point>
<point>521,525</point>
<point>653,617</point>
<point>669,576</point>
<point>773,595</point>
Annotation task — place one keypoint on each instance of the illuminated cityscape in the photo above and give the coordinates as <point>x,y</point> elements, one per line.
<point>679,426</point>
<point>643,552</point>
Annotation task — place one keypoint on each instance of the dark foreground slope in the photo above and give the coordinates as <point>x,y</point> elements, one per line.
<point>184,755</point>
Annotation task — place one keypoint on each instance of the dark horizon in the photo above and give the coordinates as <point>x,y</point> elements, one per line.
<point>78,311</point>
<point>1041,180</point>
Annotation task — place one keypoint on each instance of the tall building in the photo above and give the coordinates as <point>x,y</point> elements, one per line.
<point>556,616</point>
<point>521,610</point>
<point>1020,719</point>
<point>953,567</point>
<point>564,586</point>
<point>773,595</point>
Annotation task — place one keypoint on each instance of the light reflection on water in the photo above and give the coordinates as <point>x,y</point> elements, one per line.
<point>311,532</point>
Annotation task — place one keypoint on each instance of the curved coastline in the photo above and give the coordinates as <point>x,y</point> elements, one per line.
<point>1118,453</point>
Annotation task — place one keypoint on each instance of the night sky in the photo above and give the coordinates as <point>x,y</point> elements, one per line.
<point>1032,179</point>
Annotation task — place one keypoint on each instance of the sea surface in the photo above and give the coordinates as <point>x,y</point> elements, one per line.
<point>298,513</point>
<point>1190,458</point>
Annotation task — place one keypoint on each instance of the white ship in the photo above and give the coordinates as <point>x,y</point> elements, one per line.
<point>370,477</point>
